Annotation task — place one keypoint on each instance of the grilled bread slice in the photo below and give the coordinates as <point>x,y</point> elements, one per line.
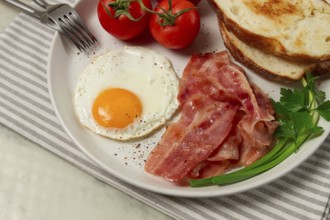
<point>266,64</point>
<point>294,29</point>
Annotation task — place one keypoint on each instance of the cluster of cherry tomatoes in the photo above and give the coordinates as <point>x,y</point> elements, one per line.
<point>172,23</point>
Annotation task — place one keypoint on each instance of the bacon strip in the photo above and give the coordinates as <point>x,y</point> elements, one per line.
<point>225,122</point>
<point>209,127</point>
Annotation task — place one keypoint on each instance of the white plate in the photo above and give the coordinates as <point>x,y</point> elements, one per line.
<point>125,160</point>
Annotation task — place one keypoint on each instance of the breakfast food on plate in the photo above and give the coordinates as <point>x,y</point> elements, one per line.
<point>268,37</point>
<point>124,21</point>
<point>126,93</point>
<point>297,30</point>
<point>266,64</point>
<point>174,24</point>
<point>225,122</point>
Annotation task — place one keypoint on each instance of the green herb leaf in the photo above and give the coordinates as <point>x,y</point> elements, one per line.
<point>286,130</point>
<point>279,108</point>
<point>324,110</point>
<point>293,100</point>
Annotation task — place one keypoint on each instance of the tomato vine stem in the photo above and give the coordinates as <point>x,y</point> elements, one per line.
<point>166,17</point>
<point>121,7</point>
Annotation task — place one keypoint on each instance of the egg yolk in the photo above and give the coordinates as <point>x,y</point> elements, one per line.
<point>116,108</point>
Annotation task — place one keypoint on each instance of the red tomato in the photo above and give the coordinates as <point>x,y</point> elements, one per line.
<point>182,32</point>
<point>195,2</point>
<point>122,27</point>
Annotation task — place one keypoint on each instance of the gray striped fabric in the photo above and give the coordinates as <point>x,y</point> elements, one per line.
<point>25,108</point>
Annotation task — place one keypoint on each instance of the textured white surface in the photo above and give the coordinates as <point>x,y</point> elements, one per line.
<point>37,185</point>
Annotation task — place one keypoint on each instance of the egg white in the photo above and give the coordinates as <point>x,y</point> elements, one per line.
<point>146,73</point>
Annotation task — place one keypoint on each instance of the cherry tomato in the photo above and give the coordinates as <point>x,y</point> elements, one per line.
<point>195,2</point>
<point>121,26</point>
<point>182,32</point>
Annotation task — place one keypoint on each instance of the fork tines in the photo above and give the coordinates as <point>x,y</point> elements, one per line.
<point>76,31</point>
<point>71,25</point>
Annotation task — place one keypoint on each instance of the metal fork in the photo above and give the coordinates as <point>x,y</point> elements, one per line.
<point>62,18</point>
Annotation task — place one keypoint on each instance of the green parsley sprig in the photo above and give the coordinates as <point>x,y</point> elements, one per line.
<point>298,112</point>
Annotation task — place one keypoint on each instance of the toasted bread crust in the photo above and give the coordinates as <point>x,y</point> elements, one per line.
<point>322,68</point>
<point>241,56</point>
<point>273,8</point>
<point>267,44</point>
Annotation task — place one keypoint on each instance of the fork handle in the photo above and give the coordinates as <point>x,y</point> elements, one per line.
<point>24,7</point>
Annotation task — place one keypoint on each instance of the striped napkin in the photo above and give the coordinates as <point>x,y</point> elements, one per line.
<point>25,107</point>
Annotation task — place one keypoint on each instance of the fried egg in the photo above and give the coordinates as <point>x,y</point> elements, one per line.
<point>126,93</point>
